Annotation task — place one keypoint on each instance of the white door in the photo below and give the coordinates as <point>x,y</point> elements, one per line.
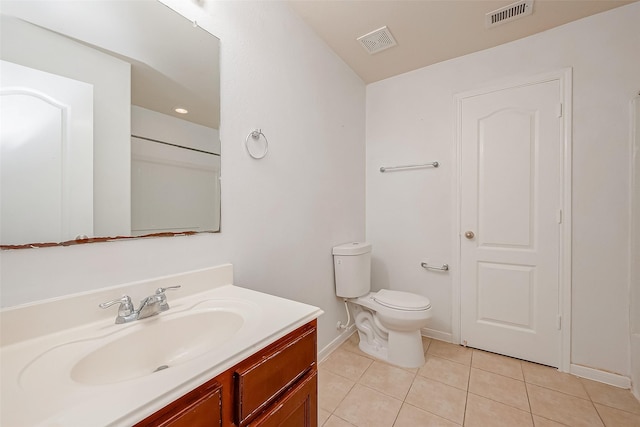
<point>46,157</point>
<point>511,165</point>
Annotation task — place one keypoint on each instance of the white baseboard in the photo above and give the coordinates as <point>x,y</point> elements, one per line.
<point>601,376</point>
<point>329,348</point>
<point>438,335</point>
<point>635,365</point>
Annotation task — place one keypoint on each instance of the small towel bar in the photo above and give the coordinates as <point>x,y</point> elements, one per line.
<point>424,165</point>
<point>445,267</point>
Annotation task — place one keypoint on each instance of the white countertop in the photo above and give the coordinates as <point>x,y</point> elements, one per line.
<point>36,360</point>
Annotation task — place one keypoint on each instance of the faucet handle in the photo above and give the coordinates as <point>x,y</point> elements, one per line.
<point>163,290</point>
<point>164,306</point>
<point>125,309</point>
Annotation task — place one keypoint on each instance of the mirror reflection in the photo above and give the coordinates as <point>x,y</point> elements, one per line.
<point>109,126</point>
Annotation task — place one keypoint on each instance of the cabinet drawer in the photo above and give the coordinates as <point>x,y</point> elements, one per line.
<point>258,382</point>
<point>297,408</point>
<point>199,408</point>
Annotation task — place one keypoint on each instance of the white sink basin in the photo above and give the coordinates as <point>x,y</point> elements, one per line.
<point>138,349</point>
<point>160,345</point>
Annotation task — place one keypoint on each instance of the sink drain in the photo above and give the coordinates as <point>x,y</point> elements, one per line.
<point>161,368</point>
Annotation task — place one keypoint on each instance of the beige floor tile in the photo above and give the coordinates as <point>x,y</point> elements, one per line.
<point>351,344</point>
<point>323,416</point>
<point>358,390</point>
<point>387,379</point>
<point>446,371</point>
<point>562,407</point>
<point>450,351</point>
<point>410,416</point>
<point>609,395</point>
<point>334,421</point>
<point>539,421</point>
<point>551,378</point>
<point>347,364</point>
<point>499,388</point>
<point>616,418</point>
<point>482,412</point>
<point>437,398</point>
<point>365,407</point>
<point>332,389</point>
<point>414,371</point>
<point>425,343</point>
<point>497,364</point>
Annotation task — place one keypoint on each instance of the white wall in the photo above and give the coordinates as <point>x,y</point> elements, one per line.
<point>634,258</point>
<point>410,119</point>
<point>33,47</point>
<point>280,215</point>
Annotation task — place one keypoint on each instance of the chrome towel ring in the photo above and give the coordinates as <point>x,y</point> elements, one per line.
<point>253,147</point>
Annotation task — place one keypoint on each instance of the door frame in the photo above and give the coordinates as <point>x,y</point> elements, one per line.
<point>564,76</point>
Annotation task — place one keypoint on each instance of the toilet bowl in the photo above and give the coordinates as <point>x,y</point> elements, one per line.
<point>388,321</point>
<point>395,335</point>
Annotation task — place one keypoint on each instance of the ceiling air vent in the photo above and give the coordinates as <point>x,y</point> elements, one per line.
<point>377,40</point>
<point>509,13</point>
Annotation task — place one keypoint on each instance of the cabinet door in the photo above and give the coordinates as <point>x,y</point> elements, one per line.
<point>260,380</point>
<point>200,408</point>
<point>297,408</point>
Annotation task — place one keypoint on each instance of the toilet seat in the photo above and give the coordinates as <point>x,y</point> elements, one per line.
<point>399,300</point>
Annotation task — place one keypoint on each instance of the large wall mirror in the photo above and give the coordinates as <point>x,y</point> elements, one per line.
<point>109,127</point>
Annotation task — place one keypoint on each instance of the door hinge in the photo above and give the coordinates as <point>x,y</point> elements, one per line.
<point>559,322</point>
<point>559,110</point>
<point>559,216</point>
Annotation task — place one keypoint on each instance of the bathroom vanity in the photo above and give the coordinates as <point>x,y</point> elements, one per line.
<point>275,386</point>
<point>221,355</point>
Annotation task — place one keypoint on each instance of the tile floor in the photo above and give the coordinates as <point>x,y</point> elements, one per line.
<point>460,386</point>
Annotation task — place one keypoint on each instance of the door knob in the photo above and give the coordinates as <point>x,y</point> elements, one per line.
<point>469,235</point>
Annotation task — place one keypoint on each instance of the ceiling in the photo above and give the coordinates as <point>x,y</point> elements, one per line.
<point>429,31</point>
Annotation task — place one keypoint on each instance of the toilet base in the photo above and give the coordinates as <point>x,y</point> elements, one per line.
<point>405,349</point>
<point>401,348</point>
<point>374,349</point>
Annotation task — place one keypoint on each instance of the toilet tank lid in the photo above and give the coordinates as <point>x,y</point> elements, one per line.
<point>402,300</point>
<point>353,248</point>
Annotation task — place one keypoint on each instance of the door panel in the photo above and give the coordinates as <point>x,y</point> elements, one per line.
<point>514,283</point>
<point>511,157</point>
<point>46,157</point>
<point>505,178</point>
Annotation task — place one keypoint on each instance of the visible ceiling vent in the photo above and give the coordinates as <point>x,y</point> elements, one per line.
<point>377,40</point>
<point>509,13</point>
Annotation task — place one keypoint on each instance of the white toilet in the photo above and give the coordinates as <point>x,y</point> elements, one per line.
<point>388,322</point>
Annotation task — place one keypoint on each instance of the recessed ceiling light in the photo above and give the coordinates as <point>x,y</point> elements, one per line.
<point>181,110</point>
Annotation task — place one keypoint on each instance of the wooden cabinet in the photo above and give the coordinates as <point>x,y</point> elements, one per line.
<point>261,379</point>
<point>201,407</point>
<point>275,387</point>
<point>297,408</point>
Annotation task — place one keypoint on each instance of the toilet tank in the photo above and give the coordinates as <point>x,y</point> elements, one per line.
<point>352,264</point>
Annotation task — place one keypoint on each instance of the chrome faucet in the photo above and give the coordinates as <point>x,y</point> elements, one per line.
<point>149,306</point>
